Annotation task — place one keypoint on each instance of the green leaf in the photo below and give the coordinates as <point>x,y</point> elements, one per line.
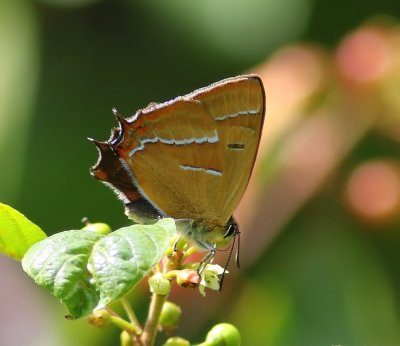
<point>85,269</point>
<point>17,233</point>
<point>59,264</point>
<point>120,260</point>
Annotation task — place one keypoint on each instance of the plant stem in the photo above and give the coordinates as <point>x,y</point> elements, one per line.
<point>125,325</point>
<point>131,314</point>
<point>133,330</point>
<point>189,252</point>
<point>150,329</point>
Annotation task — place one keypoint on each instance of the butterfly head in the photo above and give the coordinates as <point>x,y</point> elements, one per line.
<point>208,236</point>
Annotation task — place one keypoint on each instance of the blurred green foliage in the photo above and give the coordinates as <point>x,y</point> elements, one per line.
<point>331,275</point>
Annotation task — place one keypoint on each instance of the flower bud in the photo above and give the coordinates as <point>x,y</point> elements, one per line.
<point>176,341</point>
<point>170,316</point>
<point>99,318</point>
<point>126,339</point>
<point>169,251</point>
<point>159,284</point>
<point>188,278</point>
<point>223,334</point>
<point>98,227</point>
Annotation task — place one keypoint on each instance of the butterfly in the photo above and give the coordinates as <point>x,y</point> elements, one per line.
<point>190,158</point>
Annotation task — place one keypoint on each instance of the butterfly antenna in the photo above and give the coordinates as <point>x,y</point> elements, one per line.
<point>228,261</point>
<point>237,249</point>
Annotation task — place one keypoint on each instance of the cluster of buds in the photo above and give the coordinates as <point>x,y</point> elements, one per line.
<point>210,277</point>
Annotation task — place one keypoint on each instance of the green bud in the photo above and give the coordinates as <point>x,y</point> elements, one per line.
<point>98,227</point>
<point>170,316</point>
<point>159,284</point>
<point>223,334</point>
<point>176,341</point>
<point>169,251</point>
<point>126,339</point>
<point>99,318</point>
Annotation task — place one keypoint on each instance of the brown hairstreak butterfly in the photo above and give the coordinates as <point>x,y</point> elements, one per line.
<point>189,158</point>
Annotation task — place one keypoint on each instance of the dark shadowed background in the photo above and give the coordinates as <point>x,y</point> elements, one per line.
<point>320,219</point>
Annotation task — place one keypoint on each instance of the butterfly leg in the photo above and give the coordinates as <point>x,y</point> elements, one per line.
<point>176,243</point>
<point>207,259</point>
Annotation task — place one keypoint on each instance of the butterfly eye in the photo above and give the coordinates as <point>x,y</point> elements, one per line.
<point>232,230</point>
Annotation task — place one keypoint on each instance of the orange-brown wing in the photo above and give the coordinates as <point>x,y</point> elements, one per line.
<point>173,153</point>
<point>237,106</point>
<point>192,157</point>
<point>110,170</point>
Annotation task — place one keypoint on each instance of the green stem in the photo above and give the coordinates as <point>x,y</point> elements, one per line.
<point>189,252</point>
<point>150,329</point>
<point>171,274</point>
<point>125,325</point>
<point>190,265</point>
<point>131,314</point>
